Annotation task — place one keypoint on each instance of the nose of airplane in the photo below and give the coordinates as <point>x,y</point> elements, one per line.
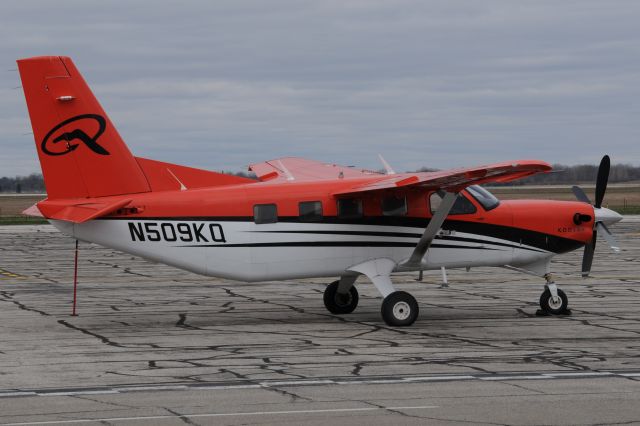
<point>606,216</point>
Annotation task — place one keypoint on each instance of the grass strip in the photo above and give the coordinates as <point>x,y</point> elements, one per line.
<point>22,220</point>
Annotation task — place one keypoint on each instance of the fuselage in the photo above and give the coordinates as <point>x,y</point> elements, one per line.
<point>213,231</point>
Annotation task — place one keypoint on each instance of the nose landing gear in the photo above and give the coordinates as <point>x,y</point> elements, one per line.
<point>553,301</point>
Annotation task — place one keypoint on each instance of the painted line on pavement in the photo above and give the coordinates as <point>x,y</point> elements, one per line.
<point>238,414</point>
<point>265,384</point>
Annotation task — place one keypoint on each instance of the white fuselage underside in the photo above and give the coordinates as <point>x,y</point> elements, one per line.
<point>245,251</point>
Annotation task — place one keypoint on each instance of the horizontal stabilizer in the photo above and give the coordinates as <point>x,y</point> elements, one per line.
<point>32,211</point>
<point>79,212</point>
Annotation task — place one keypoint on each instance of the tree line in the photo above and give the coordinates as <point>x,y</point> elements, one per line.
<point>583,173</point>
<point>22,184</point>
<point>571,175</point>
<point>561,175</point>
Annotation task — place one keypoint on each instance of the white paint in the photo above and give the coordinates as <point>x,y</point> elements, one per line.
<point>378,271</point>
<point>434,378</point>
<point>262,385</point>
<point>224,387</point>
<point>238,414</point>
<point>263,263</point>
<point>6,394</point>
<point>298,383</point>
<point>580,374</point>
<point>498,378</point>
<point>148,388</point>
<point>72,393</point>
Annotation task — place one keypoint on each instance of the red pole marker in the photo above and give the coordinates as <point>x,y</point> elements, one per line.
<point>75,282</point>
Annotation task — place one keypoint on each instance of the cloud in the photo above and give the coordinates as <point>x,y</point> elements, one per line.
<point>223,84</point>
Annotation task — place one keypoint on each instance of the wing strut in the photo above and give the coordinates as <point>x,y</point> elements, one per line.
<point>432,229</point>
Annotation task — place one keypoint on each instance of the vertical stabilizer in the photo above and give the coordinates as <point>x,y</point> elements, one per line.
<point>80,151</point>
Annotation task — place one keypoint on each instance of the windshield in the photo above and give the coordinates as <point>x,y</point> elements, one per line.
<point>484,197</point>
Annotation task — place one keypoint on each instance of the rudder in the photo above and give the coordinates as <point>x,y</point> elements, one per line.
<point>81,153</point>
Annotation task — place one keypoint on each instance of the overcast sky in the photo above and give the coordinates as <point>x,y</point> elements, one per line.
<point>221,84</point>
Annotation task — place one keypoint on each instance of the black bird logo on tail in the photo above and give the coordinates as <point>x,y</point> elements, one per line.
<point>91,142</point>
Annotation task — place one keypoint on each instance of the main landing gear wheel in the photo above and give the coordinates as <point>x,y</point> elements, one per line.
<point>399,309</point>
<point>558,307</point>
<point>337,303</point>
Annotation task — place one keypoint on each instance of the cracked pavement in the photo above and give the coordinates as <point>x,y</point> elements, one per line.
<point>156,345</point>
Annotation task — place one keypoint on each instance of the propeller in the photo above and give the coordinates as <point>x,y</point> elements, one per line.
<point>587,257</point>
<point>602,180</point>
<point>603,216</point>
<point>580,195</point>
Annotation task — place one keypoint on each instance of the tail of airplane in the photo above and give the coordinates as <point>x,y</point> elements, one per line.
<point>80,151</point>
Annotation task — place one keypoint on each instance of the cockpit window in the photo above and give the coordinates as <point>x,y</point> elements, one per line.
<point>486,199</point>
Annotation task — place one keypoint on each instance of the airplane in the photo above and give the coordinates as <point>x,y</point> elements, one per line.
<point>300,218</point>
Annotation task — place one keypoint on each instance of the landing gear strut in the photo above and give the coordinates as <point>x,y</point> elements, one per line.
<point>553,301</point>
<point>399,309</point>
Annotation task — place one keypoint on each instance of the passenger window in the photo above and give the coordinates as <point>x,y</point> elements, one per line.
<point>265,213</point>
<point>461,206</point>
<point>393,206</point>
<point>310,211</point>
<point>349,208</point>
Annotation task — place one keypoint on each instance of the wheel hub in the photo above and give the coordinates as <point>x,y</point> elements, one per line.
<point>343,299</point>
<point>401,310</point>
<point>555,304</point>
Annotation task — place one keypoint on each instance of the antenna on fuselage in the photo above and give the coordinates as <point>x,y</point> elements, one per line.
<point>286,172</point>
<point>386,165</point>
<point>182,186</point>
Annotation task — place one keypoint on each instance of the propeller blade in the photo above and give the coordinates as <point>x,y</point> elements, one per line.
<point>608,236</point>
<point>587,258</point>
<point>580,195</point>
<point>603,179</point>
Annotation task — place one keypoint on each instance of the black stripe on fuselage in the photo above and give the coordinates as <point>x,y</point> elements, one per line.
<point>403,235</point>
<point>340,232</point>
<point>337,244</point>
<point>539,240</point>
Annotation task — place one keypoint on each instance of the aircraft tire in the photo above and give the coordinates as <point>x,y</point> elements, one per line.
<point>399,309</point>
<point>337,304</point>
<point>547,305</point>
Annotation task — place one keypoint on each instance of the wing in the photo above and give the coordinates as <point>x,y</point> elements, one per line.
<point>300,169</point>
<point>453,180</point>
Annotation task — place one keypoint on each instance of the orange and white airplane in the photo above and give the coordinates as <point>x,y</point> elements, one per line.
<point>302,218</point>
